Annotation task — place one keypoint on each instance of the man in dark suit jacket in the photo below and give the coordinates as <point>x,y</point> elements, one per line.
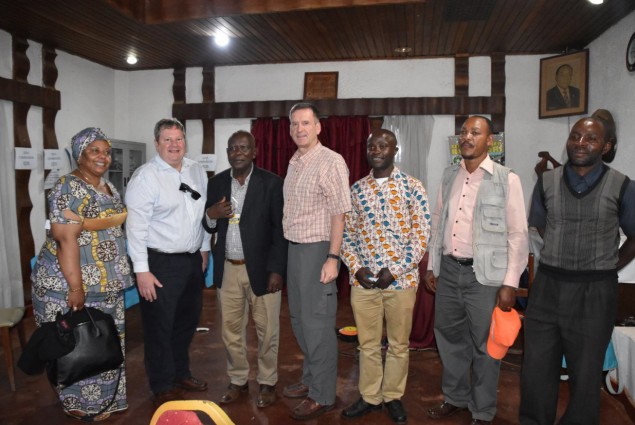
<point>244,209</point>
<point>563,95</point>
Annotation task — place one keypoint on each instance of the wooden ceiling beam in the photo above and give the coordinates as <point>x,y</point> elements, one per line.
<point>164,11</point>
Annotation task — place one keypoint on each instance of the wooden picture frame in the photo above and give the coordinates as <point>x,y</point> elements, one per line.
<point>564,85</point>
<point>320,85</point>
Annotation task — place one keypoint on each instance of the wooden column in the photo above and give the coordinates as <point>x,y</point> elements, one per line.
<point>498,89</point>
<point>21,66</point>
<point>178,92</point>
<point>208,87</point>
<point>461,85</point>
<point>49,78</point>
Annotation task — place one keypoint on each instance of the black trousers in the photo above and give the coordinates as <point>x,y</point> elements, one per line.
<point>170,321</point>
<point>574,319</point>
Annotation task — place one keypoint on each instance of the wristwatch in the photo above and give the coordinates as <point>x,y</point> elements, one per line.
<point>333,256</point>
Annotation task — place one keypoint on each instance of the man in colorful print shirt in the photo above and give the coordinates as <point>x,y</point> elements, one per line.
<point>385,238</point>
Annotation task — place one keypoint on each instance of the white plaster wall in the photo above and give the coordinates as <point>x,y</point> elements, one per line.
<point>400,78</point>
<point>612,87</point>
<point>146,97</point>
<point>480,76</point>
<point>6,62</point>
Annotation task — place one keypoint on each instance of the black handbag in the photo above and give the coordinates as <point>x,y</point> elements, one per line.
<point>97,347</point>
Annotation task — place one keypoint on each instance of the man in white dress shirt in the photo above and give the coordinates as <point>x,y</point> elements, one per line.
<point>169,250</point>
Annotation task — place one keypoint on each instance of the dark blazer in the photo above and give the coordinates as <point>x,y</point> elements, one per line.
<point>264,245</point>
<point>556,101</point>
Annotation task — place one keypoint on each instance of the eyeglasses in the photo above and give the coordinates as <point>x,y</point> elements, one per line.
<point>238,148</point>
<point>194,194</point>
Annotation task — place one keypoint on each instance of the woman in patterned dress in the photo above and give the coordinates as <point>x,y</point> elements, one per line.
<point>83,262</point>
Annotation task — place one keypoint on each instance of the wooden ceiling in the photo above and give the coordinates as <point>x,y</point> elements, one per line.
<point>177,33</point>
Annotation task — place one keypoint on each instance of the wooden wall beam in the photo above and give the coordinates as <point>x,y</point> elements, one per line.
<point>364,106</point>
<point>21,66</point>
<point>461,86</point>
<point>498,89</point>
<point>23,92</point>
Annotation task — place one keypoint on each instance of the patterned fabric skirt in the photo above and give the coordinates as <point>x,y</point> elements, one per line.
<point>92,394</point>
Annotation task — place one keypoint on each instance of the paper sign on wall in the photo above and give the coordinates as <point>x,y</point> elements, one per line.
<point>25,159</point>
<point>207,161</point>
<point>52,159</point>
<point>51,179</point>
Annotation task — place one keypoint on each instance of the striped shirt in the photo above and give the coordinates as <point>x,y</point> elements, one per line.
<point>316,188</point>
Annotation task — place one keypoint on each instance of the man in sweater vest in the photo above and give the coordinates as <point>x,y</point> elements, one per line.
<point>578,209</point>
<point>478,251</point>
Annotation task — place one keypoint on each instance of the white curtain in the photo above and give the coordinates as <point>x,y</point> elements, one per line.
<point>11,293</point>
<point>414,135</point>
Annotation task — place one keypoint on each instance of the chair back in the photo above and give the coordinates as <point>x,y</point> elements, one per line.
<point>217,414</point>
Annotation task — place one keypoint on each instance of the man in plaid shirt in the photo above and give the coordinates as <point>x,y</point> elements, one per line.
<point>316,197</point>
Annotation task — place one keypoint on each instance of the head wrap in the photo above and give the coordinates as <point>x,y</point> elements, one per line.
<point>81,140</point>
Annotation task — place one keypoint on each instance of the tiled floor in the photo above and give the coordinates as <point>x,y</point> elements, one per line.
<point>35,403</point>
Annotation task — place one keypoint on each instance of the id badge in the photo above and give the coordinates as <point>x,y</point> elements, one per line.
<point>235,219</point>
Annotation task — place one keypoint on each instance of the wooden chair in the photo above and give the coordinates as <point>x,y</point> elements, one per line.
<point>9,318</point>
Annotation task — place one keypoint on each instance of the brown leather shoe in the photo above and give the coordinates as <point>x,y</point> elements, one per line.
<point>233,393</point>
<point>191,384</point>
<point>480,422</point>
<point>267,395</point>
<point>309,409</point>
<point>444,410</point>
<point>298,390</point>
<point>165,396</point>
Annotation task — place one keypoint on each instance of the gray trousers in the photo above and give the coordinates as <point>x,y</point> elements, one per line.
<point>462,318</point>
<point>312,309</point>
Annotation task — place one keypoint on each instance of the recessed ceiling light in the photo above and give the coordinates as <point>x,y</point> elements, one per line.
<point>596,1</point>
<point>131,59</point>
<point>403,50</point>
<point>221,39</point>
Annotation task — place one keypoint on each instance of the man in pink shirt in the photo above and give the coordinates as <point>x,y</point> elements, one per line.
<point>478,250</point>
<point>316,197</point>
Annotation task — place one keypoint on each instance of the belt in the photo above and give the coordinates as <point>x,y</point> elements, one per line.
<point>156,251</point>
<point>462,261</point>
<point>236,262</point>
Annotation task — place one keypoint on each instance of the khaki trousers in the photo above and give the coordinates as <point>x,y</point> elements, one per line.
<point>236,298</point>
<point>370,306</point>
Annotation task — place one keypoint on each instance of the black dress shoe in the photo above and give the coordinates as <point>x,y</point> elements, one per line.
<point>359,408</point>
<point>396,411</point>
<point>191,384</point>
<point>444,410</point>
<point>165,396</point>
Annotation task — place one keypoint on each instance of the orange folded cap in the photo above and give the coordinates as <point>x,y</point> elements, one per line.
<point>502,332</point>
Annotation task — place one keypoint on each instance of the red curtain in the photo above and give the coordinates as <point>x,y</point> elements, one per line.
<point>345,135</point>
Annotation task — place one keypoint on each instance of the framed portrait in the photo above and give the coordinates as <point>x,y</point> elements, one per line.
<point>564,85</point>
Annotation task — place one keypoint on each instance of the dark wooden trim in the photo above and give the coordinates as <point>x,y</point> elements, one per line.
<point>209,83</point>
<point>461,87</point>
<point>498,89</point>
<point>21,63</point>
<point>365,106</point>
<point>178,87</point>
<point>461,75</point>
<point>21,92</point>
